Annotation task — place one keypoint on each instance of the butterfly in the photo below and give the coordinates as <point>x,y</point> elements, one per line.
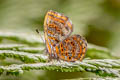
<point>59,43</point>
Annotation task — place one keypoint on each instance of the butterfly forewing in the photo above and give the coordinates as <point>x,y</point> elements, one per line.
<point>56,28</point>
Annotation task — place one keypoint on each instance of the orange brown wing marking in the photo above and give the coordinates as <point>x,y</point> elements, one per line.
<point>80,51</point>
<point>79,41</point>
<point>83,43</point>
<point>82,56</point>
<point>61,48</point>
<point>60,18</point>
<point>56,19</point>
<point>56,28</point>
<point>57,50</point>
<point>50,32</point>
<point>66,50</point>
<point>67,41</point>
<point>83,50</point>
<point>73,48</point>
<point>58,15</point>
<point>62,51</point>
<point>74,38</point>
<point>69,58</point>
<point>52,38</point>
<point>45,34</point>
<point>69,24</point>
<point>48,46</point>
<point>52,25</point>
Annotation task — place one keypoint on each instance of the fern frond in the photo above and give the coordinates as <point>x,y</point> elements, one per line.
<point>106,67</point>
<point>23,56</point>
<point>21,47</point>
<point>25,53</point>
<point>92,52</point>
<point>21,38</point>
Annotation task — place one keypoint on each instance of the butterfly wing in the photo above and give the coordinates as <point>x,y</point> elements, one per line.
<point>72,48</point>
<point>57,27</point>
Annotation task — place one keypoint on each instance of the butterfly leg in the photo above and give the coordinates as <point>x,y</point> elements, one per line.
<point>50,58</point>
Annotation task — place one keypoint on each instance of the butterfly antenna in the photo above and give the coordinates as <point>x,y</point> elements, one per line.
<point>40,35</point>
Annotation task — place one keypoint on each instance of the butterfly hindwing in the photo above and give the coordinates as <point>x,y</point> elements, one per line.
<point>72,48</point>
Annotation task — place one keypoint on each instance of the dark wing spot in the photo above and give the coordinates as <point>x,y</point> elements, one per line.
<point>67,28</point>
<point>57,40</point>
<point>73,50</point>
<point>71,42</point>
<point>66,54</point>
<point>62,49</point>
<point>69,57</point>
<point>61,45</point>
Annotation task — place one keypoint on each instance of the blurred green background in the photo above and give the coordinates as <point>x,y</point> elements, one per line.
<point>97,20</point>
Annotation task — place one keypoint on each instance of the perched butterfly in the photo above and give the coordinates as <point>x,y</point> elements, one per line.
<point>59,43</point>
